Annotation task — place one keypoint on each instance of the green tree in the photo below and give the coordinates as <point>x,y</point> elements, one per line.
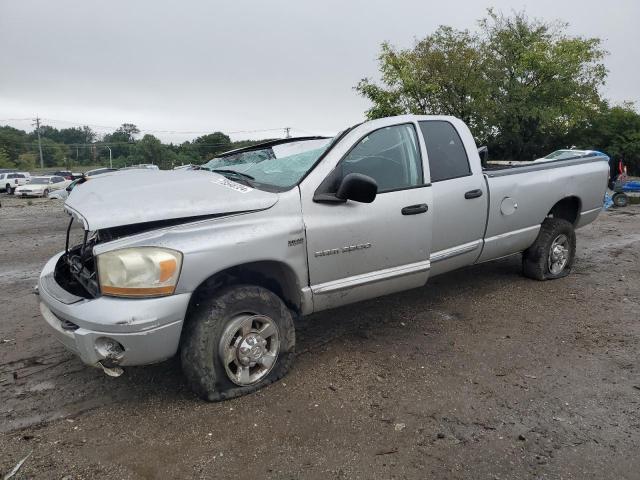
<point>443,73</point>
<point>27,162</point>
<point>5,161</point>
<point>614,130</point>
<point>122,140</point>
<point>542,82</point>
<point>520,84</point>
<point>54,154</point>
<point>208,145</point>
<point>13,141</point>
<point>150,150</point>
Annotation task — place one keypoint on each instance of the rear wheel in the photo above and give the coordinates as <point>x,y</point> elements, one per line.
<point>236,341</point>
<point>553,253</point>
<point>8,189</point>
<point>620,200</point>
<point>45,193</point>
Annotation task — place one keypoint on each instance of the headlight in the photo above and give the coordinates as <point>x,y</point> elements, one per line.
<point>139,272</point>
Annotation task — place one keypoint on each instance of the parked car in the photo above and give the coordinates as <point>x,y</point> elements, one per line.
<point>10,181</point>
<point>41,186</point>
<point>99,171</point>
<point>567,154</point>
<point>67,174</point>
<point>224,260</point>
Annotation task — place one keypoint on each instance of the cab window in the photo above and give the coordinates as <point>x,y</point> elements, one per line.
<point>447,156</point>
<point>390,156</point>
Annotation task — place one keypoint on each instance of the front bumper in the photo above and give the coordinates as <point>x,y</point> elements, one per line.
<point>148,329</point>
<point>28,194</point>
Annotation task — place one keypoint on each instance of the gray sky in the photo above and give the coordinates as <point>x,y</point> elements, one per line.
<point>194,66</point>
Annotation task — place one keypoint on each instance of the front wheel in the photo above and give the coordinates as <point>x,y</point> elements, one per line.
<point>45,194</point>
<point>236,341</point>
<point>553,253</point>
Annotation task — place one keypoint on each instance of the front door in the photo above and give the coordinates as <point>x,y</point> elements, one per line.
<point>359,250</point>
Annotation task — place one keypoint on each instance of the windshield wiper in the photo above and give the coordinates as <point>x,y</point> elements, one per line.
<point>244,176</point>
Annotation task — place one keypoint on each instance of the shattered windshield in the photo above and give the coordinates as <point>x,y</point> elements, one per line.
<point>280,166</point>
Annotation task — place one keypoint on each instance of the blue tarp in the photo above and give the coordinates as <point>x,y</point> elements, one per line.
<point>633,186</point>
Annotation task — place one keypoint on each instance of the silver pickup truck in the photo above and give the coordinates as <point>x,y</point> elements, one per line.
<point>217,263</point>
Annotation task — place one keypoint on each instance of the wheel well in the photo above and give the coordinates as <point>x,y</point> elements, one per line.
<point>275,276</point>
<point>568,209</point>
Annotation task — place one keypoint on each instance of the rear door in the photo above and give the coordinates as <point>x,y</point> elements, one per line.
<point>363,250</point>
<point>460,198</point>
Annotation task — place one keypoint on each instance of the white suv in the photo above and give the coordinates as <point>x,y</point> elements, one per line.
<point>10,181</point>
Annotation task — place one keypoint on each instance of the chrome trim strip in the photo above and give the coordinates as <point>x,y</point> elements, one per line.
<point>455,251</point>
<point>593,210</point>
<point>511,233</point>
<point>371,277</point>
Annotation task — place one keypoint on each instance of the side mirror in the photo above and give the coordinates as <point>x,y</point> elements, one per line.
<point>484,155</point>
<point>357,187</point>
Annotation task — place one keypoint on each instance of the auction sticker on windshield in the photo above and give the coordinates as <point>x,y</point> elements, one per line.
<point>225,182</point>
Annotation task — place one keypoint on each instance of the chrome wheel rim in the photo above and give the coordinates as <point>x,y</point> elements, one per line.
<point>249,348</point>
<point>558,254</point>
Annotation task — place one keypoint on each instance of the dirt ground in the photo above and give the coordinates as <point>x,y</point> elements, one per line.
<point>480,374</point>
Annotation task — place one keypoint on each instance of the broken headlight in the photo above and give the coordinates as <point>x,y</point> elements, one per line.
<point>139,272</point>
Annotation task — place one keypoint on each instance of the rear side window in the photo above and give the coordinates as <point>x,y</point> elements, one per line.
<point>390,156</point>
<point>447,156</point>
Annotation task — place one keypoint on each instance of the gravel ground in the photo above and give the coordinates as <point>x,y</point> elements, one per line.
<point>480,374</point>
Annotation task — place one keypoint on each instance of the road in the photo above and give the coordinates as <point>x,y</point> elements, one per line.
<point>480,374</point>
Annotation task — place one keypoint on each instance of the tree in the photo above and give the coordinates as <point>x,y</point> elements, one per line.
<point>26,162</point>
<point>150,150</point>
<point>128,131</point>
<point>208,145</point>
<point>122,139</point>
<point>5,161</point>
<point>542,82</point>
<point>614,130</point>
<point>13,142</point>
<point>54,154</point>
<point>442,73</point>
<point>520,84</point>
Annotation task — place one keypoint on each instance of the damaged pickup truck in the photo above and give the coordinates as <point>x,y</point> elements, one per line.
<point>216,264</point>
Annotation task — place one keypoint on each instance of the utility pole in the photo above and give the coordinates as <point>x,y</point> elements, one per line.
<point>287,133</point>
<point>110,159</point>
<point>37,120</point>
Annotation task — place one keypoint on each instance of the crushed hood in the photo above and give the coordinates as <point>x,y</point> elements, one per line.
<point>140,196</point>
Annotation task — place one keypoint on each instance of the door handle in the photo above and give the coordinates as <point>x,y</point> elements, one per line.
<point>415,209</point>
<point>473,194</point>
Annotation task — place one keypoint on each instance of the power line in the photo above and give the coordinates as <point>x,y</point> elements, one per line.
<point>114,144</point>
<point>287,130</point>
<point>177,132</point>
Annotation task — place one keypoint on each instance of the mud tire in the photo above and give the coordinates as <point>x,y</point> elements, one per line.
<point>206,320</point>
<point>535,259</point>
